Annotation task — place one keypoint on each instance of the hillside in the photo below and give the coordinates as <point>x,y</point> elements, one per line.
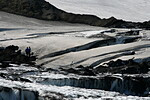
<point>129,10</point>
<point>43,10</point>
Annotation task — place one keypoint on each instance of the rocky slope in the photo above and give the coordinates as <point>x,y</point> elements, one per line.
<point>43,10</point>
<point>128,10</point>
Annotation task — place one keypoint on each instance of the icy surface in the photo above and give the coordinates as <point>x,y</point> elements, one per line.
<point>69,92</point>
<point>57,38</point>
<point>66,90</point>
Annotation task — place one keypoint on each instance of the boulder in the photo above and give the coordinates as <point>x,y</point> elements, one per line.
<point>12,54</point>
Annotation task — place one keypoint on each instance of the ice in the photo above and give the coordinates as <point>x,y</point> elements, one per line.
<point>38,35</point>
<point>66,90</point>
<point>23,68</point>
<point>90,33</point>
<point>75,93</point>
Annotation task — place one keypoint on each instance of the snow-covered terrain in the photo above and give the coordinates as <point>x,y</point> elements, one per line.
<point>130,10</point>
<point>52,85</point>
<point>63,45</point>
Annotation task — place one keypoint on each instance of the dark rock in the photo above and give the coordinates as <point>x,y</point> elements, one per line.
<point>80,70</point>
<point>80,66</point>
<point>12,47</point>
<point>130,33</point>
<point>5,64</point>
<point>12,54</point>
<point>123,67</point>
<point>136,69</point>
<point>86,71</point>
<point>3,75</point>
<point>131,39</point>
<point>109,31</point>
<point>71,70</point>
<point>25,80</point>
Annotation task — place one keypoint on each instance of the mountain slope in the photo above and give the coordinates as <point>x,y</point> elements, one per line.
<point>130,10</point>
<point>43,10</point>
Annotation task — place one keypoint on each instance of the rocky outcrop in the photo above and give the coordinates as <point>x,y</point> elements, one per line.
<point>113,67</point>
<point>12,54</point>
<point>123,67</point>
<point>43,10</point>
